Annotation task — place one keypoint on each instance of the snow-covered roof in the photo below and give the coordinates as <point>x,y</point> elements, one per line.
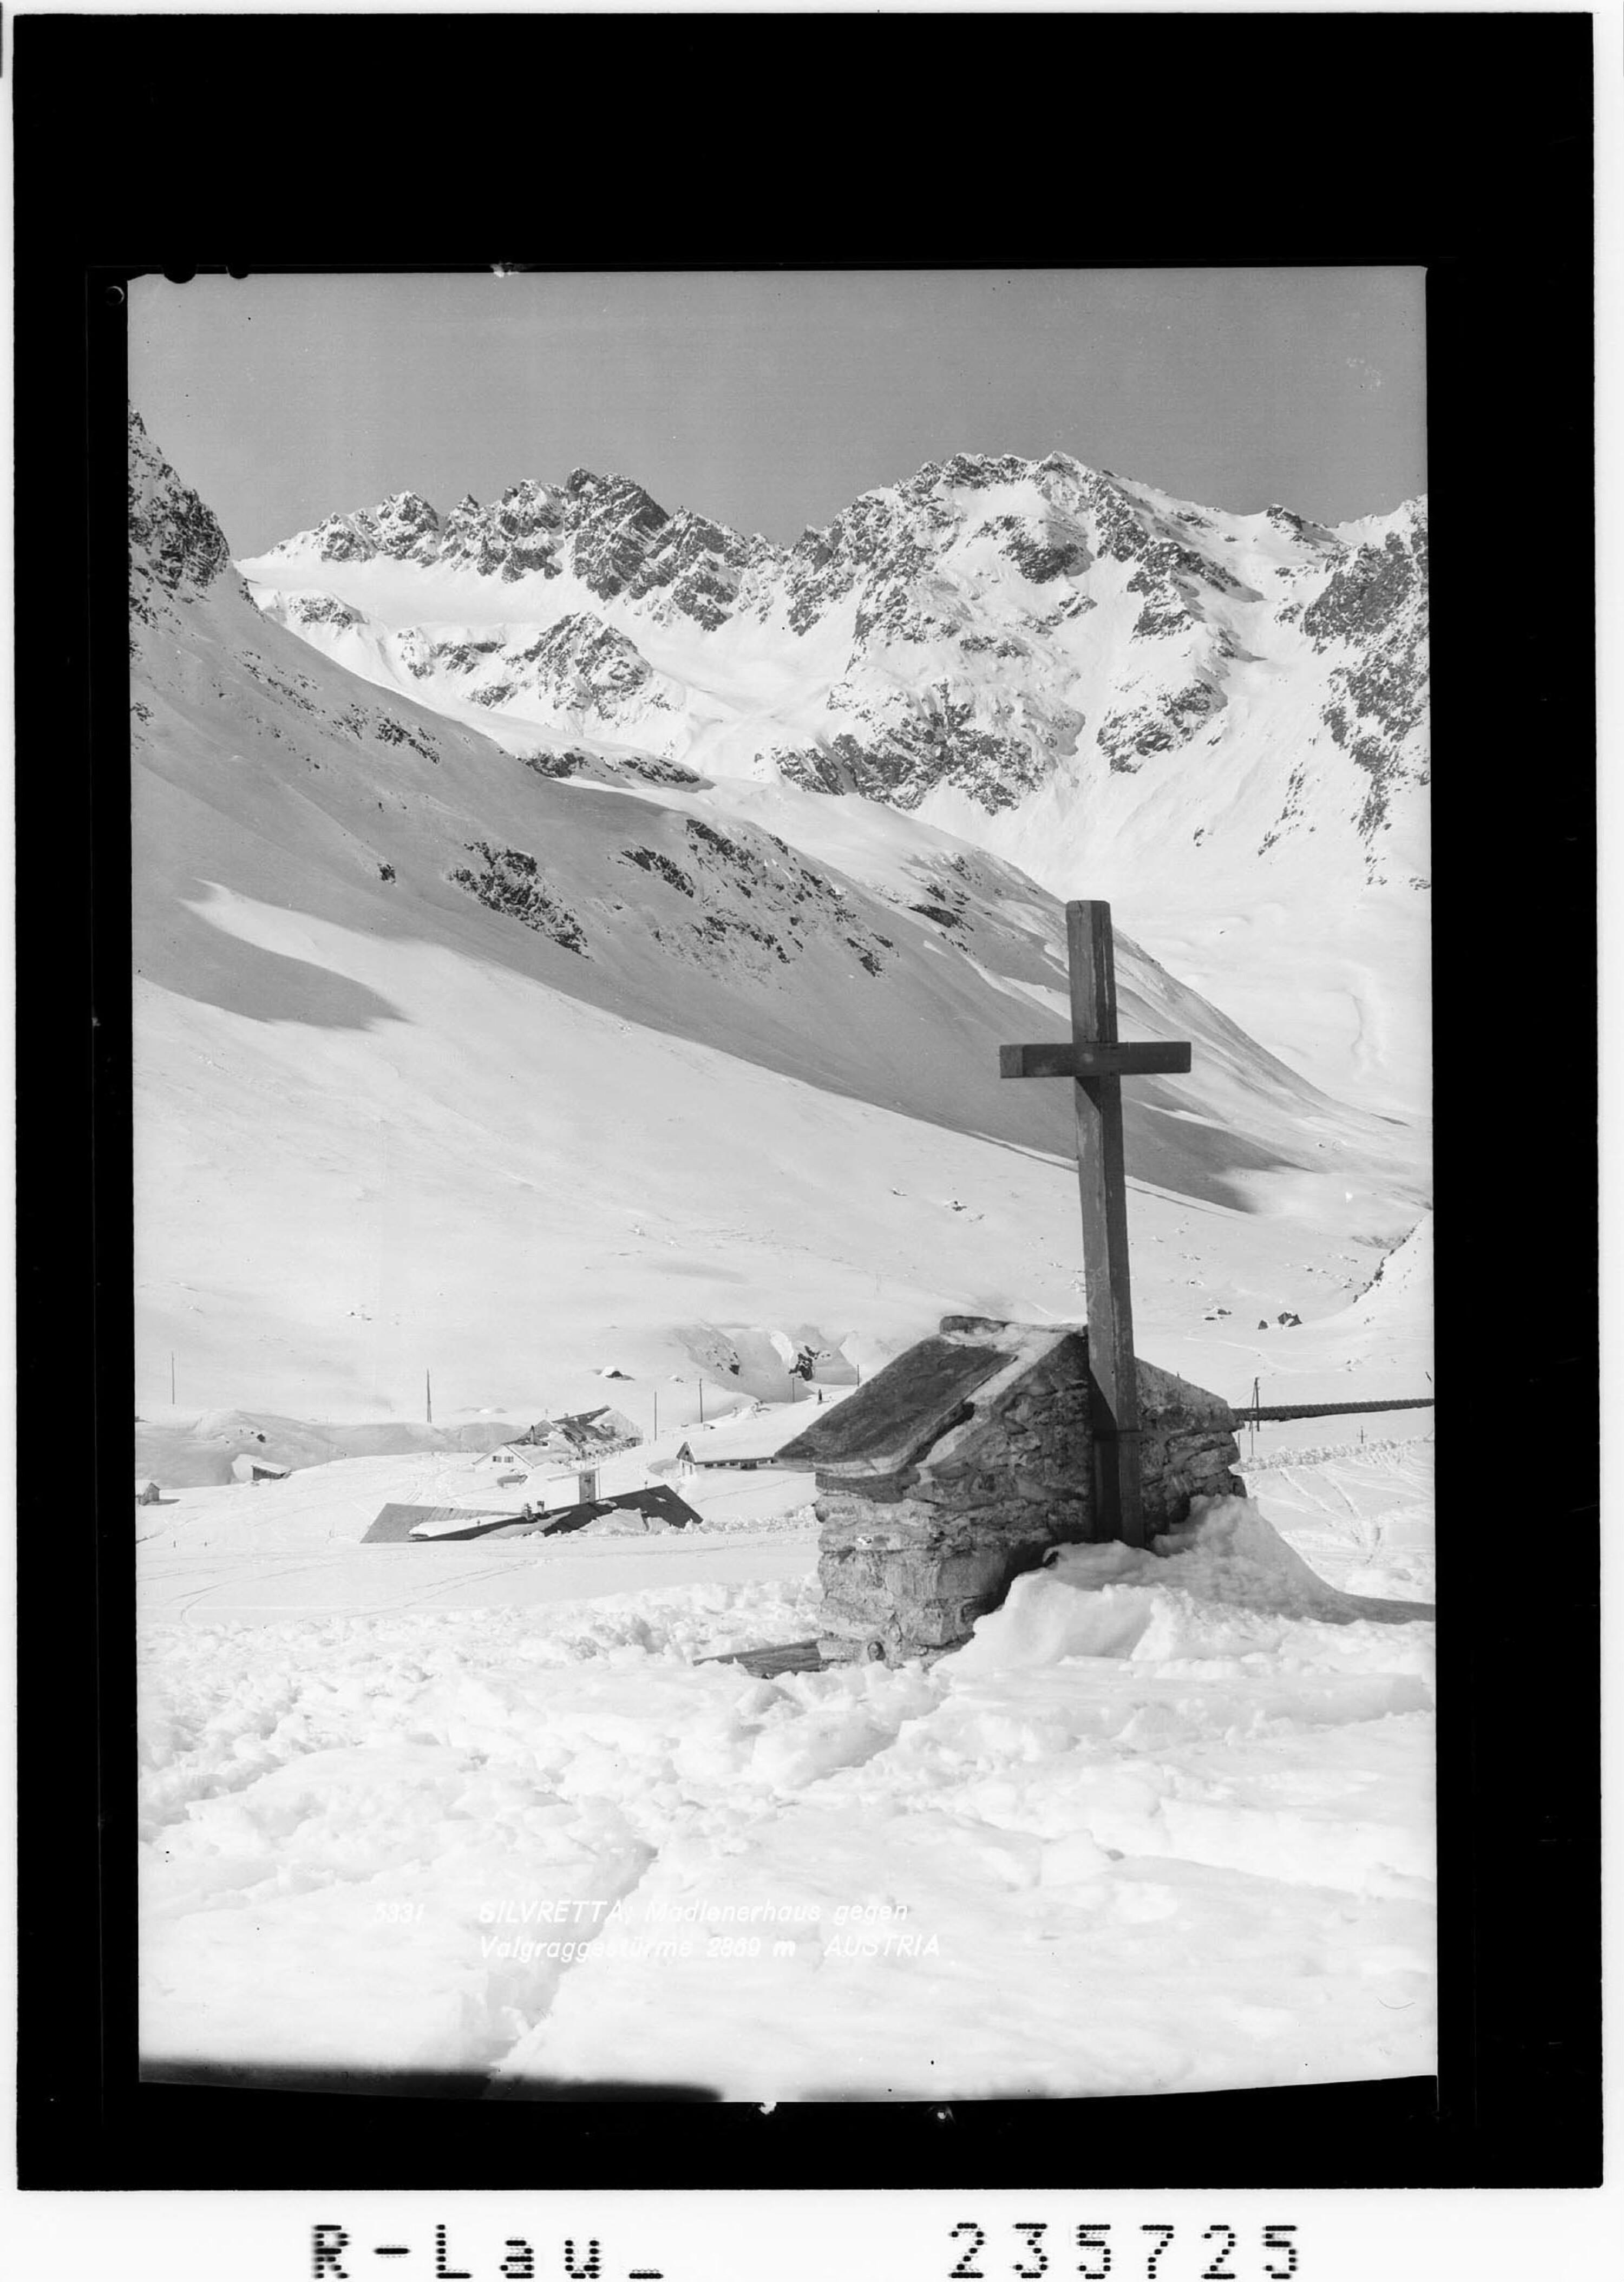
<point>586,1432</point>
<point>245,1468</point>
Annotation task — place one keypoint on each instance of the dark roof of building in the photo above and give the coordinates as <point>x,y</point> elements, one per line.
<point>587,1433</point>
<point>394,1524</point>
<point>656,1500</point>
<point>911,1403</point>
<point>901,1413</point>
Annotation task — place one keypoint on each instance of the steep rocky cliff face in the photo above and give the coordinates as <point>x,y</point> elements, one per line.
<point>1371,615</point>
<point>175,546</point>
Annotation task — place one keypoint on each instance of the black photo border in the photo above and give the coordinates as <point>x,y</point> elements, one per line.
<point>1460,142</point>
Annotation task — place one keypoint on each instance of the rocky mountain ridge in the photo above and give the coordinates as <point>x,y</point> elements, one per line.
<point>604,529</point>
<point>992,638</point>
<point>177,547</point>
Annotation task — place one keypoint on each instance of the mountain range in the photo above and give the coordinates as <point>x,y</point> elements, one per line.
<point>1125,695</point>
<point>989,629</point>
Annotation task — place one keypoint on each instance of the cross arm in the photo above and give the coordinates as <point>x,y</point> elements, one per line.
<point>1162,1057</point>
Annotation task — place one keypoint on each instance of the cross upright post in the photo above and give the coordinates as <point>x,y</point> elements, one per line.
<point>1097,1063</point>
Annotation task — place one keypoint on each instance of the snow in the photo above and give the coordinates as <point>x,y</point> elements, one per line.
<point>1163,1824</point>
<point>1362,1512</point>
<point>268,1552</point>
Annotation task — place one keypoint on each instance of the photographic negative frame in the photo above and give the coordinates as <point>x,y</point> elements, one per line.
<point>1492,199</point>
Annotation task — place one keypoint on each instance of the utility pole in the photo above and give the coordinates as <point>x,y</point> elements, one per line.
<point>656,1435</point>
<point>428,1396</point>
<point>172,1382</point>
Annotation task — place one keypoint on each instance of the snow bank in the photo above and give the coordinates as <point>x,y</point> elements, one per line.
<point>1225,1585</point>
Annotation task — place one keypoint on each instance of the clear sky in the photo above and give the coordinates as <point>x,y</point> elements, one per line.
<point>768,400</point>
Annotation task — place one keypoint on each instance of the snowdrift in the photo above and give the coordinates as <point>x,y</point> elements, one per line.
<point>1226,1584</point>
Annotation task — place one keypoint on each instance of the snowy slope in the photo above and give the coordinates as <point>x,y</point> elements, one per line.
<point>1217,721</point>
<point>436,1049</point>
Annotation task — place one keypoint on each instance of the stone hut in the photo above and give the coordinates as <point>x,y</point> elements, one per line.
<point>964,1460</point>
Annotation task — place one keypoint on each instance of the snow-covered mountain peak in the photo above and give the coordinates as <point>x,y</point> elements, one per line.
<point>604,535</point>
<point>612,490</point>
<point>403,522</point>
<point>1406,523</point>
<point>1049,519</point>
<point>969,472</point>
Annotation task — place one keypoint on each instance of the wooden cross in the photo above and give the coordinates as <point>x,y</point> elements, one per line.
<point>1098,1064</point>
